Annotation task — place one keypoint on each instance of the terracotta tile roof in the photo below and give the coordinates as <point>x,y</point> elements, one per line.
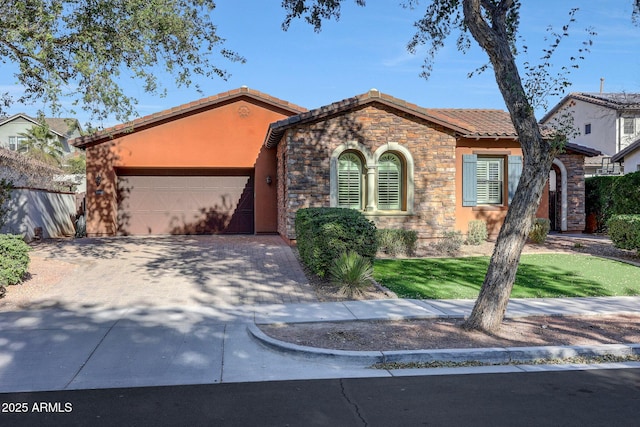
<point>185,110</point>
<point>468,123</point>
<point>480,123</point>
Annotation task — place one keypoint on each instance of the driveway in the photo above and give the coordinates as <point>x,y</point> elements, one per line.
<point>175,271</point>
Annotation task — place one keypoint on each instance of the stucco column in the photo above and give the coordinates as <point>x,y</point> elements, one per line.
<point>371,189</point>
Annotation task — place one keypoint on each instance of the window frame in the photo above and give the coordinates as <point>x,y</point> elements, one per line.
<point>359,179</point>
<point>484,198</point>
<point>632,122</point>
<point>587,129</point>
<point>384,184</point>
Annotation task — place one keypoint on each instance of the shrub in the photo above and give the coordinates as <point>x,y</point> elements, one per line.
<point>14,259</point>
<point>539,230</point>
<point>450,243</point>
<point>598,192</point>
<point>624,231</point>
<point>352,272</point>
<point>477,232</point>
<point>625,195</point>
<point>396,242</point>
<point>323,234</point>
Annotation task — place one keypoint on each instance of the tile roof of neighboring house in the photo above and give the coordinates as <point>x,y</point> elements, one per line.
<point>472,123</point>
<point>185,110</point>
<point>614,100</point>
<point>619,157</point>
<point>63,126</point>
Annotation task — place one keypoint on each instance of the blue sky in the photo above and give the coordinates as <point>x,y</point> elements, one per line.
<point>366,49</point>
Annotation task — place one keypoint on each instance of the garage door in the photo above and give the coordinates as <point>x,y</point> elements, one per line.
<point>174,202</point>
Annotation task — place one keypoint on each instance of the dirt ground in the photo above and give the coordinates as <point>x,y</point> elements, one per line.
<point>447,333</point>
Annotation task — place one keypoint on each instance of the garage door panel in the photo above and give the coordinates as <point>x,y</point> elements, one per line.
<point>185,204</point>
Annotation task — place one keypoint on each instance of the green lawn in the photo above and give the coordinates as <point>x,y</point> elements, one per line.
<point>539,276</point>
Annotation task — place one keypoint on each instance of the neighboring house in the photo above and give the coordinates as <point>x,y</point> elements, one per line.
<point>608,122</point>
<point>629,157</point>
<point>245,162</point>
<point>12,128</point>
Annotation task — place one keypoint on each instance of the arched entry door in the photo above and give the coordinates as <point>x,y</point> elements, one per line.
<point>558,196</point>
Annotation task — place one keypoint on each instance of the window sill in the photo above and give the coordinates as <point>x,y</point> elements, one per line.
<point>489,208</point>
<point>387,213</point>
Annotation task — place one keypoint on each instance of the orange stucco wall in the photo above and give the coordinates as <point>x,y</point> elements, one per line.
<point>229,135</point>
<point>492,215</point>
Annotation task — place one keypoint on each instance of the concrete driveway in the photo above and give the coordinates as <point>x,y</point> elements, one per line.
<point>172,271</point>
<point>148,311</point>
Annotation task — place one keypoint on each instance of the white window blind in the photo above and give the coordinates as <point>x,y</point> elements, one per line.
<point>490,187</point>
<point>389,182</point>
<point>349,181</point>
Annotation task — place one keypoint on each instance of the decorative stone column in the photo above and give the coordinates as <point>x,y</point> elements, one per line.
<point>371,188</point>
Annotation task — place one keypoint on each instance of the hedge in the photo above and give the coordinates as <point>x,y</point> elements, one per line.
<point>612,195</point>
<point>624,231</point>
<point>323,234</point>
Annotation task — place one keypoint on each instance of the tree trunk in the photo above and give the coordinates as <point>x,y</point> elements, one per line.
<point>538,154</point>
<point>489,309</point>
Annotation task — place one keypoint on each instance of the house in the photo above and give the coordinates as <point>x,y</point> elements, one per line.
<point>193,169</point>
<point>245,162</point>
<point>13,128</point>
<point>629,157</point>
<point>608,122</point>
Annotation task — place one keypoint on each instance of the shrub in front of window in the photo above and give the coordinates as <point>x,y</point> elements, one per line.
<point>322,234</point>
<point>397,242</point>
<point>352,272</point>
<point>14,259</point>
<point>539,230</point>
<point>477,233</point>
<point>624,231</point>
<point>450,244</point>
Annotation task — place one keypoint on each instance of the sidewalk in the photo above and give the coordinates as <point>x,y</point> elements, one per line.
<point>57,349</point>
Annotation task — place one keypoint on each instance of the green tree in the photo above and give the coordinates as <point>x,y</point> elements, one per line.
<point>79,48</point>
<point>41,144</point>
<point>493,24</point>
<point>76,165</point>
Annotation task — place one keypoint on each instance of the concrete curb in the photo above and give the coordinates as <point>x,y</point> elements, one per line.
<point>493,355</point>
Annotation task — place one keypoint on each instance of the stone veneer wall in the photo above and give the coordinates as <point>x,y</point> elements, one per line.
<point>574,163</point>
<point>304,167</point>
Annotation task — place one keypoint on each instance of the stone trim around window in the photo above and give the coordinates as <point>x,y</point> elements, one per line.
<point>371,166</point>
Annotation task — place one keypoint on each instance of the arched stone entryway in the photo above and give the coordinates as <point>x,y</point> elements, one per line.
<point>558,196</point>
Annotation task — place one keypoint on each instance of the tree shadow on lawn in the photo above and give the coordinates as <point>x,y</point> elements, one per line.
<point>462,278</point>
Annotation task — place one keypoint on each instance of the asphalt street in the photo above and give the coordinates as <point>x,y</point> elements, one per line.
<point>551,398</point>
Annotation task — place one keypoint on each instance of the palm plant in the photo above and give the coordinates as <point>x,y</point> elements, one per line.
<point>41,144</point>
<point>352,272</point>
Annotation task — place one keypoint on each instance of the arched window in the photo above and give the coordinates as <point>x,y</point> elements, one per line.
<point>350,181</point>
<point>389,182</point>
